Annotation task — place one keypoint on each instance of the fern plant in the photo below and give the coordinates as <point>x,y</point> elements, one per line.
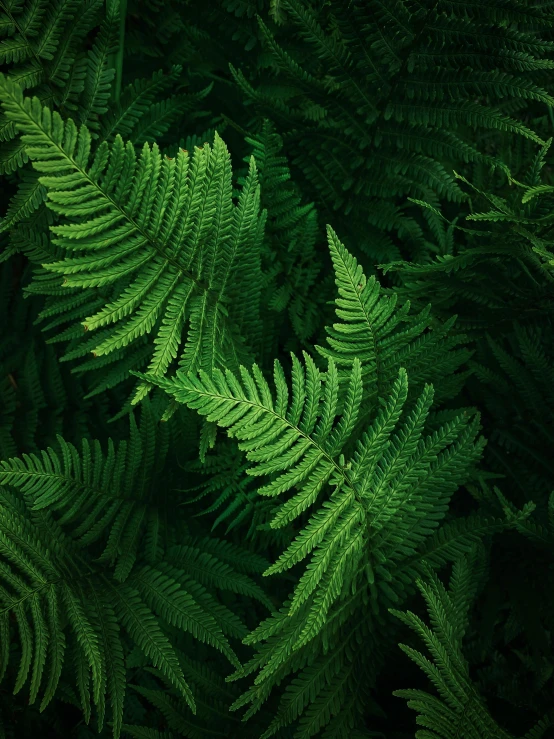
<point>290,247</point>
<point>44,53</point>
<point>90,556</point>
<point>370,530</point>
<point>394,96</point>
<point>460,711</point>
<point>179,257</point>
<point>352,469</point>
<point>506,252</point>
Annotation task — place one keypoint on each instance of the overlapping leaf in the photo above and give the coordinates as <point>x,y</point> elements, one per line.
<point>162,235</point>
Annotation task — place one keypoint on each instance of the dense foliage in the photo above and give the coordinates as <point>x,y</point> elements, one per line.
<point>277,369</point>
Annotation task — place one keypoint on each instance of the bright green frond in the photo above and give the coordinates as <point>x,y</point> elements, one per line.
<point>165,233</point>
<point>297,440</point>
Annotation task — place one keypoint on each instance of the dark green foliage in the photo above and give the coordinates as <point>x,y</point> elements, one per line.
<point>108,560</point>
<point>276,360</point>
<point>461,712</point>
<point>378,100</point>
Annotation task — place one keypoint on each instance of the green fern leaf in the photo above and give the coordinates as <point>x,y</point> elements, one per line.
<point>300,443</point>
<point>164,233</point>
<point>459,711</point>
<point>102,497</point>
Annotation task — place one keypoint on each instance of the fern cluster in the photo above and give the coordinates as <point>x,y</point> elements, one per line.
<point>275,365</point>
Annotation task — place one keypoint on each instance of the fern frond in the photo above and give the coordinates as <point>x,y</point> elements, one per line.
<point>164,233</point>
<point>30,195</point>
<point>384,337</point>
<point>212,696</point>
<point>55,596</point>
<point>289,255</point>
<point>136,100</point>
<point>459,711</point>
<point>392,97</point>
<point>101,497</point>
<point>61,593</point>
<point>97,83</point>
<point>299,443</point>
